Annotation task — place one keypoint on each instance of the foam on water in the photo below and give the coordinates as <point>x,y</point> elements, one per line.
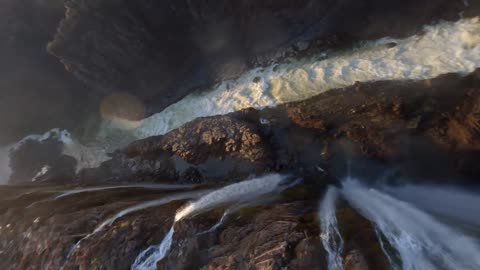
<point>149,204</point>
<point>443,48</point>
<point>422,242</point>
<point>331,238</point>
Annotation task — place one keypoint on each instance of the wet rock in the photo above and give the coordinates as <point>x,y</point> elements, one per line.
<point>265,238</point>
<point>355,261</point>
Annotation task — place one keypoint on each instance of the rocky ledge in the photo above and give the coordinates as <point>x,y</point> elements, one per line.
<point>41,232</point>
<point>424,130</point>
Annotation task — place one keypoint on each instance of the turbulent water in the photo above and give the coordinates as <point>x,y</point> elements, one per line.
<point>422,242</point>
<point>442,48</point>
<point>331,238</point>
<point>239,192</point>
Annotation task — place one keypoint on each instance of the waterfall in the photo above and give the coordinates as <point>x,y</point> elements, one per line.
<point>149,204</point>
<point>142,186</point>
<point>331,238</point>
<point>239,192</point>
<point>450,202</point>
<point>127,211</point>
<point>422,242</point>
<point>147,260</point>
<point>221,221</point>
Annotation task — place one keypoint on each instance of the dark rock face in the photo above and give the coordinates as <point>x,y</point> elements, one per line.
<point>162,50</point>
<point>37,94</point>
<point>41,161</point>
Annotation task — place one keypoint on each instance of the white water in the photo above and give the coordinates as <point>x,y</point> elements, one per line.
<point>143,186</point>
<point>422,242</point>
<point>149,204</point>
<point>239,192</point>
<point>331,238</point>
<point>219,223</point>
<point>147,260</point>
<point>442,48</point>
<point>453,203</point>
<point>130,210</point>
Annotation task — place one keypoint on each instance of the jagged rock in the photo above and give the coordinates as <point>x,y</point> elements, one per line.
<point>422,128</point>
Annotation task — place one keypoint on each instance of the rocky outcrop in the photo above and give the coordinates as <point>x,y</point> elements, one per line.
<point>205,149</point>
<point>40,161</point>
<point>421,129</point>
<point>162,50</point>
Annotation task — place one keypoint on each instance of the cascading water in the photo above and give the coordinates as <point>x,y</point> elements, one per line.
<point>422,242</point>
<point>331,238</point>
<point>142,186</point>
<point>450,202</point>
<point>150,204</point>
<point>238,192</point>
<point>147,260</point>
<point>136,208</point>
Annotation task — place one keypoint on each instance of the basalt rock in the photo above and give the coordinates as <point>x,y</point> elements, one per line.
<point>162,50</point>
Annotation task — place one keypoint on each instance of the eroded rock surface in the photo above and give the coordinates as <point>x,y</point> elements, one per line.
<point>422,129</point>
